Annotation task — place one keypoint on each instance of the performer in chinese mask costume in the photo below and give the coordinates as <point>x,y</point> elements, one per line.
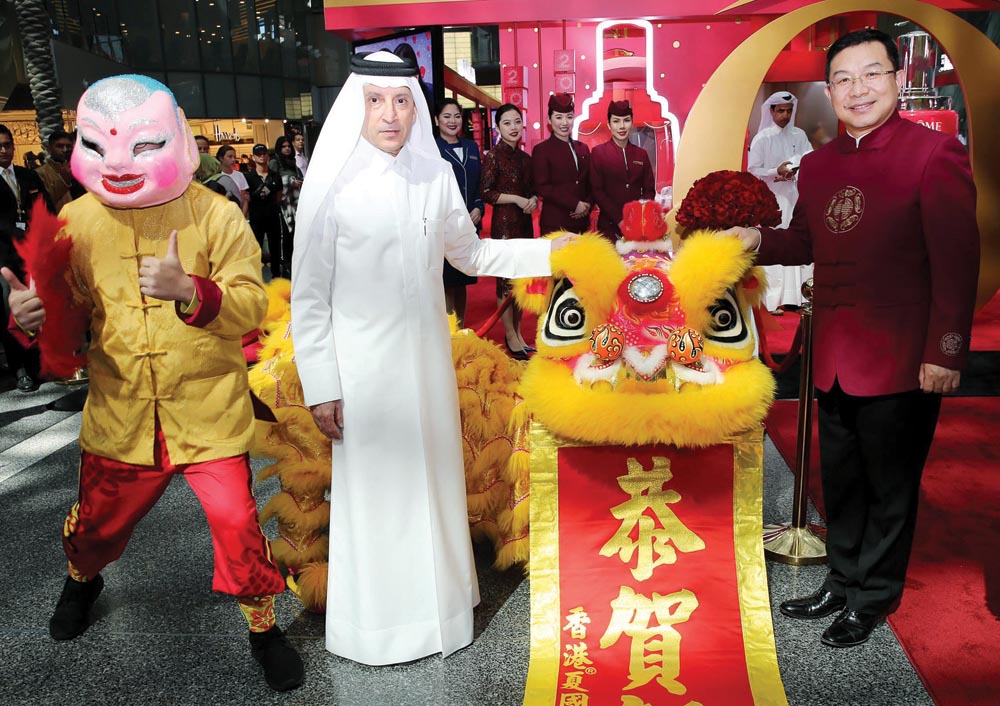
<point>169,275</point>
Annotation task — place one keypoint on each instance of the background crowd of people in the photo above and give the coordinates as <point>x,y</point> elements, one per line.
<point>266,192</point>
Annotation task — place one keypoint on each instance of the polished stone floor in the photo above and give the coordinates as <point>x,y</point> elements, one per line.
<point>162,637</point>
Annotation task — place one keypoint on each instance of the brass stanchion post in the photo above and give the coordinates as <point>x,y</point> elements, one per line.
<point>797,542</point>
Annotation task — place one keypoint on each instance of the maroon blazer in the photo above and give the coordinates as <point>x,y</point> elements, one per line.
<point>618,176</point>
<point>891,226</point>
<point>561,183</point>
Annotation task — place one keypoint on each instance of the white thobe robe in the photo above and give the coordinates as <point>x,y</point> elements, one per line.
<point>772,147</point>
<point>370,327</point>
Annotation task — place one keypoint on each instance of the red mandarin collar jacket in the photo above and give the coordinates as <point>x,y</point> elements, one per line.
<point>891,225</point>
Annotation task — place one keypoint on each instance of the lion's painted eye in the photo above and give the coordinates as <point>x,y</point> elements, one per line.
<point>566,319</point>
<point>727,325</point>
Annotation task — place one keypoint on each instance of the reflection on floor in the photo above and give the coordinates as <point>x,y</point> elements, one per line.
<point>162,637</point>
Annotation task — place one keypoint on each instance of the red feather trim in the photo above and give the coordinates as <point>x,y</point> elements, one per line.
<point>46,260</point>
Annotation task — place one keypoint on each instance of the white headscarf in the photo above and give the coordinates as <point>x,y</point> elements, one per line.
<point>342,130</point>
<point>766,119</point>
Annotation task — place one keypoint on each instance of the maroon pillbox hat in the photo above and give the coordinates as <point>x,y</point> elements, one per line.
<point>560,103</point>
<point>622,109</point>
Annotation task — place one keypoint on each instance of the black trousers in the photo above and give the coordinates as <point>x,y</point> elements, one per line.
<point>268,225</point>
<point>872,453</point>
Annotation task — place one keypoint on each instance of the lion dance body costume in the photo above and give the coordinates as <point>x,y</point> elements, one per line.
<point>168,387</point>
<point>636,345</point>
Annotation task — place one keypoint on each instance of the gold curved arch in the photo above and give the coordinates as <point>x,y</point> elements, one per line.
<point>712,140</point>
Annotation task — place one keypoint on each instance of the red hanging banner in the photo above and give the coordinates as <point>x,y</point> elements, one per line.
<point>647,577</point>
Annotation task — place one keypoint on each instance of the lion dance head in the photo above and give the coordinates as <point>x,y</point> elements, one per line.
<point>638,345</point>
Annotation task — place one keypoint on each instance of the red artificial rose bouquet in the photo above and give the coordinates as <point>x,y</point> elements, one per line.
<point>724,199</point>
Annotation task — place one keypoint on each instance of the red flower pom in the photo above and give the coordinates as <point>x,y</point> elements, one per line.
<point>724,199</point>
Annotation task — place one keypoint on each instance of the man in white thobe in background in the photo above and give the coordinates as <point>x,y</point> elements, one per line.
<point>774,158</point>
<point>378,214</point>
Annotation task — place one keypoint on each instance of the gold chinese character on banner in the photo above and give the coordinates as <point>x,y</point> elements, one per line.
<point>653,543</point>
<point>576,656</point>
<point>574,699</point>
<point>574,681</point>
<point>577,621</point>
<point>656,649</point>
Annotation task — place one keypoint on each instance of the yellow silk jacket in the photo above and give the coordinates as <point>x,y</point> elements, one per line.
<point>144,360</point>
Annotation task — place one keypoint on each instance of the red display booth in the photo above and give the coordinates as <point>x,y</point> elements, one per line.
<point>625,72</point>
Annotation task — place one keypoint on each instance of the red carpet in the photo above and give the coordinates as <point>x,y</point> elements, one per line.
<point>949,620</point>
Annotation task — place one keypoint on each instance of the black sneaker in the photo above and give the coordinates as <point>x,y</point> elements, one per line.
<point>72,614</point>
<point>26,383</point>
<point>282,665</point>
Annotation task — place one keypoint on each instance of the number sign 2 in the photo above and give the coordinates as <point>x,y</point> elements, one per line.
<point>515,76</point>
<point>564,61</point>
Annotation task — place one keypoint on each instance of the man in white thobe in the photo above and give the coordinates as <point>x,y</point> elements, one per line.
<point>774,158</point>
<point>378,214</point>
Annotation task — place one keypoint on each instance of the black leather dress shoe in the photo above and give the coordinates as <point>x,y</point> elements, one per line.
<point>851,628</point>
<point>818,605</point>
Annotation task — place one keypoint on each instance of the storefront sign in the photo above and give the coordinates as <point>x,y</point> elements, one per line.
<point>223,136</point>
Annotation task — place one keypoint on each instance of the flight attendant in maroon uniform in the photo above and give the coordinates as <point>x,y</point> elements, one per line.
<point>561,168</point>
<point>619,171</point>
<point>506,185</point>
<point>888,213</point>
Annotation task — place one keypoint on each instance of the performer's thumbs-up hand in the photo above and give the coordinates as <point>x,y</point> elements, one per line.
<point>25,306</point>
<point>164,277</point>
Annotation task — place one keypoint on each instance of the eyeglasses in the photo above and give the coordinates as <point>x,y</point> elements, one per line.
<point>6,145</point>
<point>868,78</point>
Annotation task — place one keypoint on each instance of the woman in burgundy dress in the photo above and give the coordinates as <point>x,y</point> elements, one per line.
<point>507,185</point>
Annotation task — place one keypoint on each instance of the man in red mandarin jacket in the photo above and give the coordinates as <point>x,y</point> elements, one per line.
<point>619,171</point>
<point>888,214</point>
<point>561,170</point>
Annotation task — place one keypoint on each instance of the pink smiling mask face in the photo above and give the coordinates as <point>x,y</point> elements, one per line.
<point>134,157</point>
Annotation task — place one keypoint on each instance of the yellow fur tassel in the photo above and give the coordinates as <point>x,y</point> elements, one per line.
<point>289,512</point>
<point>311,583</point>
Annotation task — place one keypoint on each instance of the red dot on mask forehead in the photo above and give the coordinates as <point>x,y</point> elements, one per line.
<point>113,131</point>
